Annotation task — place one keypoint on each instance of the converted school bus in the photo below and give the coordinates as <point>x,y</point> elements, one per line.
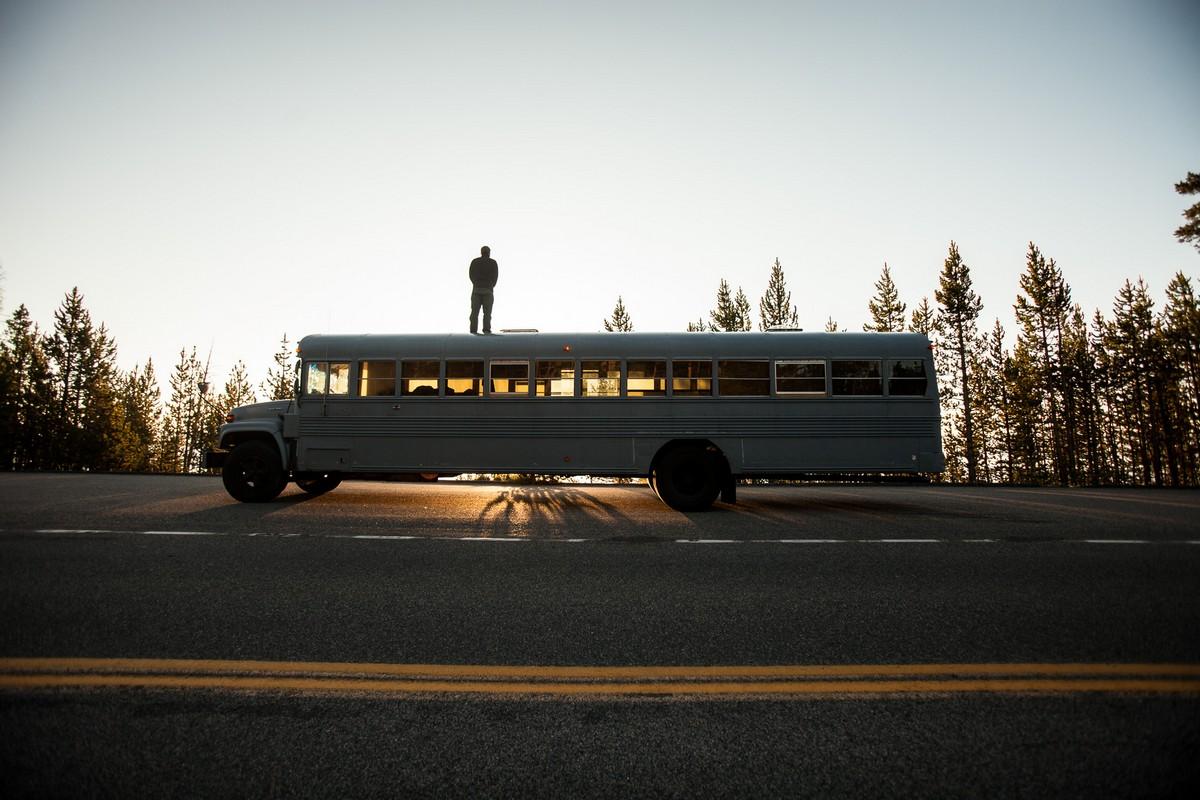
<point>690,412</point>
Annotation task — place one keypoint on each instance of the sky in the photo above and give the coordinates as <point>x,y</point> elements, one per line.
<point>217,174</point>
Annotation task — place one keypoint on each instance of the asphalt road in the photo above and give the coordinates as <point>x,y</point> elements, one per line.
<point>536,578</point>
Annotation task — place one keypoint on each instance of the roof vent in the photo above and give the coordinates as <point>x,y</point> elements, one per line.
<point>518,330</point>
<point>775,328</point>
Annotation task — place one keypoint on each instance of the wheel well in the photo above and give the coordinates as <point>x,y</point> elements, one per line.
<point>722,461</point>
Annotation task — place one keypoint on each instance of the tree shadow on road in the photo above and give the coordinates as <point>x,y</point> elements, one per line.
<point>549,511</point>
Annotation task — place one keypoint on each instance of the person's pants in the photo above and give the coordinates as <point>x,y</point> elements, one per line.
<point>481,299</point>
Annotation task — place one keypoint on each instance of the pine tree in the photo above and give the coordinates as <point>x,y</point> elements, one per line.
<point>732,312</point>
<point>182,437</point>
<point>66,348</point>
<point>280,382</point>
<point>26,395</point>
<point>1190,231</point>
<point>139,397</point>
<point>831,325</point>
<point>1109,470</point>
<point>237,392</point>
<point>1180,325</point>
<point>775,309</point>
<point>1128,337</point>
<point>887,312</point>
<point>924,319</point>
<point>742,305</point>
<point>1022,382</point>
<point>992,426</point>
<point>960,308</point>
<point>697,327</point>
<point>1042,312</point>
<point>1080,379</point>
<point>86,431</point>
<point>103,435</point>
<point>620,320</point>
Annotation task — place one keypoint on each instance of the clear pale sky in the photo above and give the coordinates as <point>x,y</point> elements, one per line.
<point>216,174</point>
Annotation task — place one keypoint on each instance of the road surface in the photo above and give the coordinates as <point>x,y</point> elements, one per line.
<point>157,637</point>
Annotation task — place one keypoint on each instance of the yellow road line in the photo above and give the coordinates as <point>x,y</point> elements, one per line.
<point>191,666</point>
<point>820,687</point>
<point>816,679</point>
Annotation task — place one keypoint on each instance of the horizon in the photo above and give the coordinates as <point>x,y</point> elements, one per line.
<point>284,168</point>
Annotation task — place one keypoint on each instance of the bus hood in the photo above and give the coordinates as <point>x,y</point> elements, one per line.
<point>272,409</point>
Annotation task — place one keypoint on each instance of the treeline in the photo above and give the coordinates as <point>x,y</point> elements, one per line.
<point>65,405</point>
<point>1076,401</point>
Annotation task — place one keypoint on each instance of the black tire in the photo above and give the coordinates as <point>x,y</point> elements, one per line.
<point>687,478</point>
<point>253,473</point>
<point>320,485</point>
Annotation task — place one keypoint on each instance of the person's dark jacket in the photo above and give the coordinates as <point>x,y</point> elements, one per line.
<point>484,271</point>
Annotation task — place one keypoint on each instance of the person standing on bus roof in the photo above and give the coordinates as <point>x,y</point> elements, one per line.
<point>484,271</point>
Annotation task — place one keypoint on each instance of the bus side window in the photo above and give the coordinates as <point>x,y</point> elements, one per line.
<point>316,375</point>
<point>555,379</point>
<point>339,378</point>
<point>856,378</point>
<point>509,377</point>
<point>691,378</point>
<point>464,378</point>
<point>419,378</point>
<point>376,378</point>
<point>327,377</point>
<point>907,378</point>
<point>744,378</point>
<point>646,379</point>
<point>800,377</point>
<point>601,378</point>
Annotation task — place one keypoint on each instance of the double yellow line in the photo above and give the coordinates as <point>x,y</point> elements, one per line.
<point>800,680</point>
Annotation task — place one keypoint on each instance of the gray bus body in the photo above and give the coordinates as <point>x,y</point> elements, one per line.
<point>777,403</point>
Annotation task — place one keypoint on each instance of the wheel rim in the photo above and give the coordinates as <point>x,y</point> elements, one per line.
<point>689,479</point>
<point>254,472</point>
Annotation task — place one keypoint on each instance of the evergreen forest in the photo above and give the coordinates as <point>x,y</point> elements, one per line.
<point>1079,398</point>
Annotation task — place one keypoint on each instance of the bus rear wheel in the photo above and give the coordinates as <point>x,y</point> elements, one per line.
<point>252,473</point>
<point>687,478</point>
<point>320,484</point>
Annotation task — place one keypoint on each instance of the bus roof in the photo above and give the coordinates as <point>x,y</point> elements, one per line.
<point>770,344</point>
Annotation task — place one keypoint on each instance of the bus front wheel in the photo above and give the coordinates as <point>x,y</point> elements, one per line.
<point>687,478</point>
<point>252,472</point>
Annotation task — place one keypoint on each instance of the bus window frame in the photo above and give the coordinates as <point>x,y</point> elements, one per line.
<point>357,379</point>
<point>881,361</point>
<point>579,362</point>
<point>666,362</point>
<point>769,379</point>
<point>575,385</point>
<point>400,394</point>
<point>712,377</point>
<point>775,390</point>
<point>444,379</point>
<point>509,361</point>
<point>888,377</point>
<point>351,378</point>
